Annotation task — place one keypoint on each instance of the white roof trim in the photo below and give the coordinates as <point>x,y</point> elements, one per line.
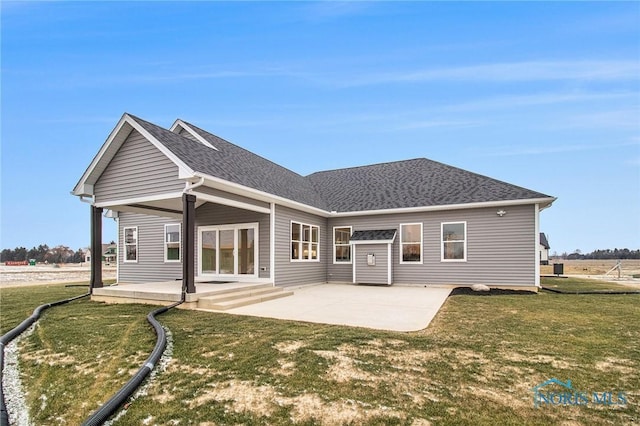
<point>140,200</point>
<point>118,135</point>
<point>82,187</point>
<point>183,168</point>
<point>482,204</point>
<point>373,241</point>
<point>181,124</point>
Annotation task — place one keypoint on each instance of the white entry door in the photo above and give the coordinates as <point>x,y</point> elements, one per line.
<point>228,250</point>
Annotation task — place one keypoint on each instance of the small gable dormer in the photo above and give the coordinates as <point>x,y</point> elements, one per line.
<point>183,129</point>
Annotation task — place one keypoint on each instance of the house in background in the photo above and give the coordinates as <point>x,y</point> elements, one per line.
<point>544,249</point>
<point>109,254</point>
<point>191,206</point>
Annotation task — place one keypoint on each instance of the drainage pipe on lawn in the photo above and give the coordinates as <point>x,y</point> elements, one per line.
<point>109,408</point>
<point>12,334</point>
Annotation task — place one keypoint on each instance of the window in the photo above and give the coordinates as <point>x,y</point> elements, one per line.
<point>172,242</point>
<point>342,245</point>
<point>305,243</point>
<point>131,244</point>
<point>454,241</point>
<point>411,243</point>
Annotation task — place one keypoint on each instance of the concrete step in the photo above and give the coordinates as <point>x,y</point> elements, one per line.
<point>241,298</point>
<point>239,294</point>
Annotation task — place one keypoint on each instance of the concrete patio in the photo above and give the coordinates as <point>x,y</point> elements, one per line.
<point>395,308</point>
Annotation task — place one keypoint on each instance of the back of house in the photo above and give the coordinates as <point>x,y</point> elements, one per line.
<point>406,222</point>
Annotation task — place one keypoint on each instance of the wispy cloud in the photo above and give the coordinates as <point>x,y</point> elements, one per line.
<point>585,70</point>
<point>537,99</point>
<point>623,118</point>
<point>510,151</point>
<point>426,124</point>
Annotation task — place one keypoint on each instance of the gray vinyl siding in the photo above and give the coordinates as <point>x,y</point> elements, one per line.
<point>500,250</point>
<point>138,169</point>
<point>150,266</point>
<point>368,274</point>
<point>216,214</point>
<point>289,273</point>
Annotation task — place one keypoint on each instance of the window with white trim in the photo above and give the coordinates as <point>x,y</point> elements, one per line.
<point>454,241</point>
<point>130,234</point>
<point>305,242</point>
<point>342,244</point>
<point>172,242</point>
<point>411,243</point>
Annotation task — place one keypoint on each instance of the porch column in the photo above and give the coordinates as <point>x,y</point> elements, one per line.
<point>188,243</point>
<point>96,248</point>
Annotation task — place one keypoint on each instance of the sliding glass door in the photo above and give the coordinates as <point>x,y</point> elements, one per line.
<point>228,250</point>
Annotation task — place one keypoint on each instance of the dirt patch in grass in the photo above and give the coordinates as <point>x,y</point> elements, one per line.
<point>621,365</point>
<point>239,397</point>
<point>45,356</point>
<point>311,408</point>
<point>264,400</point>
<point>289,347</point>
<point>344,368</point>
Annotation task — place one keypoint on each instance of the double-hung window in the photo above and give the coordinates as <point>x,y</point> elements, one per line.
<point>305,242</point>
<point>454,241</point>
<point>172,242</point>
<point>342,244</point>
<point>130,244</point>
<point>411,243</point>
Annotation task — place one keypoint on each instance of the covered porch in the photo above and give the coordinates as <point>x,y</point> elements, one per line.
<point>225,250</point>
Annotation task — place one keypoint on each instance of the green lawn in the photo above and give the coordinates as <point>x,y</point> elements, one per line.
<point>476,363</point>
<point>580,284</point>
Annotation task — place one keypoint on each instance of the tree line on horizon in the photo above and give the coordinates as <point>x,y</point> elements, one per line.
<point>43,254</point>
<point>608,254</point>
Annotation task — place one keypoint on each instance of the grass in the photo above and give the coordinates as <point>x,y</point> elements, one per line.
<point>475,364</point>
<point>580,284</point>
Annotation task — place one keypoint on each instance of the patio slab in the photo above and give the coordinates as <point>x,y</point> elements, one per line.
<point>396,308</point>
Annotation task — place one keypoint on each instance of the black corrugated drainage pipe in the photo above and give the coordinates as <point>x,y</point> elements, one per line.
<point>12,334</point>
<point>109,408</point>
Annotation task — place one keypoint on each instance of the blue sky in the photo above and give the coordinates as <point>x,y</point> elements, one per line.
<point>542,95</point>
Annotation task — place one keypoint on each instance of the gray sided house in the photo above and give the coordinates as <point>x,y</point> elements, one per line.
<point>192,206</point>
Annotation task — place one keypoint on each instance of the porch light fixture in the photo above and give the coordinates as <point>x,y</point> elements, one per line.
<point>501,213</point>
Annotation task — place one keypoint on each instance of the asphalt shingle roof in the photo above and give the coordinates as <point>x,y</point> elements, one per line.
<point>410,183</point>
<point>235,164</point>
<point>401,184</point>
